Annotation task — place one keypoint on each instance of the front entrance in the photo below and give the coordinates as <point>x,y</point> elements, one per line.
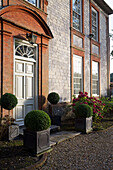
<point>24,79</point>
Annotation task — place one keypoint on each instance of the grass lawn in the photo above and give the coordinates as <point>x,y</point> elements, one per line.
<point>14,156</point>
<point>103,124</point>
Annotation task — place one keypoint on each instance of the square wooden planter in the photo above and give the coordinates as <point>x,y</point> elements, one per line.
<point>11,132</point>
<point>83,124</point>
<point>37,141</point>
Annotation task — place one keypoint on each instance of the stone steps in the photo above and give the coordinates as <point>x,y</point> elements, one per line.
<point>57,136</point>
<point>53,129</point>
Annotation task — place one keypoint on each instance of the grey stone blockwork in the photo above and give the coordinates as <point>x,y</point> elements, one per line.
<point>103,54</point>
<point>59,48</point>
<point>87,45</point>
<point>103,51</point>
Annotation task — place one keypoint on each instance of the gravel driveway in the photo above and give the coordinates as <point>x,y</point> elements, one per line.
<point>92,151</point>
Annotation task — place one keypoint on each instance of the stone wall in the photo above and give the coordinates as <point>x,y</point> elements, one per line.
<point>103,54</point>
<point>87,45</point>
<point>103,51</point>
<point>59,48</point>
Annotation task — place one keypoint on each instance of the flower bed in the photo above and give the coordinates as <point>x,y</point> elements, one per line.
<point>96,104</point>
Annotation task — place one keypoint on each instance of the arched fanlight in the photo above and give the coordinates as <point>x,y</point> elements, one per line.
<point>25,51</point>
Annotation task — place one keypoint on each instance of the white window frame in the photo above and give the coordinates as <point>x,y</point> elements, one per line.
<point>95,37</point>
<point>80,59</point>
<point>78,14</point>
<point>37,3</point>
<point>93,79</point>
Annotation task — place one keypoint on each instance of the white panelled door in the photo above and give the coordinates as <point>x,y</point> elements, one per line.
<point>24,80</point>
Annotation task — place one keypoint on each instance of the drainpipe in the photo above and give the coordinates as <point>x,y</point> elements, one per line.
<point>108,56</point>
<point>7,2</point>
<point>1,60</point>
<point>41,71</point>
<point>90,69</point>
<point>90,49</point>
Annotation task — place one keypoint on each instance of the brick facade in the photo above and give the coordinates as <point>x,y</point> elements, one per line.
<point>16,21</point>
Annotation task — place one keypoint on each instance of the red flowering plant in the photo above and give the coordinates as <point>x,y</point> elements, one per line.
<point>96,104</point>
<point>6,120</point>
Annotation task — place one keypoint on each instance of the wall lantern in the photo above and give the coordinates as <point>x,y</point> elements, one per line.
<point>31,38</point>
<point>91,35</point>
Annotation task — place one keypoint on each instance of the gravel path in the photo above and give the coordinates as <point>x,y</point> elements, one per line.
<point>93,151</point>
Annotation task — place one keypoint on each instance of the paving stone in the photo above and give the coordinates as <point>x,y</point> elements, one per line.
<point>61,136</point>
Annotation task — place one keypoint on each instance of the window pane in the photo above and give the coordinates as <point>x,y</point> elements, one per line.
<point>24,50</point>
<point>77,86</point>
<point>35,2</point>
<point>77,17</point>
<point>94,31</point>
<point>32,2</point>
<point>38,3</point>
<point>77,74</point>
<point>95,78</point>
<point>95,24</point>
<point>93,20</point>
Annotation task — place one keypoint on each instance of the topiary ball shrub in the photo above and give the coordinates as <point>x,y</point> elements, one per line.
<point>83,111</point>
<point>37,120</point>
<point>53,98</point>
<point>8,101</point>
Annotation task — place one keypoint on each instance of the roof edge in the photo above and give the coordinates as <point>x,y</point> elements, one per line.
<point>103,5</point>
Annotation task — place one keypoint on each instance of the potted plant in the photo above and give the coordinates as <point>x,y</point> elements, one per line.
<point>83,118</point>
<point>8,129</point>
<point>37,132</point>
<point>53,99</point>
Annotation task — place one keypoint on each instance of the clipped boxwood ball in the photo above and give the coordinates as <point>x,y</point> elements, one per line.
<point>8,101</point>
<point>53,98</point>
<point>83,111</point>
<point>37,120</point>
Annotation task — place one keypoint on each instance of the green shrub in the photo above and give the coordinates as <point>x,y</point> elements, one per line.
<point>83,111</point>
<point>37,120</point>
<point>8,101</point>
<point>97,105</point>
<point>53,98</point>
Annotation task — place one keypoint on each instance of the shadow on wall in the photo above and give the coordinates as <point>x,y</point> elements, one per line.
<point>63,99</point>
<point>111,90</point>
<point>42,103</point>
<point>42,100</point>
